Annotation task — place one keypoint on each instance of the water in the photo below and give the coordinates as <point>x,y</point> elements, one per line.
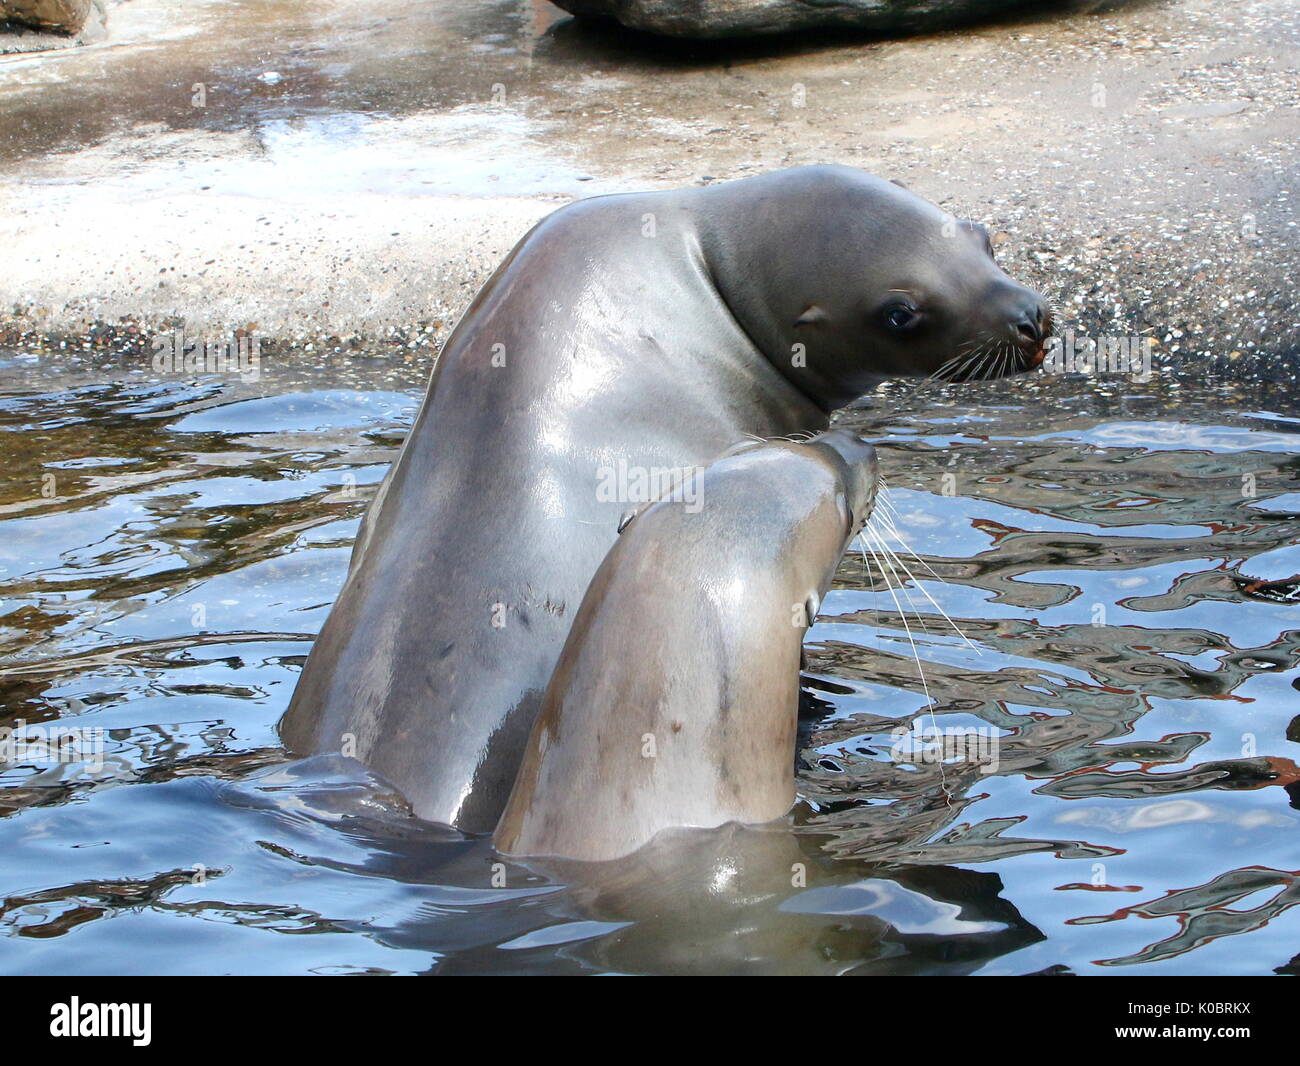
<point>170,546</point>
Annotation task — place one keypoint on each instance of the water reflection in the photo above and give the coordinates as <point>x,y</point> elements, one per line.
<point>169,548</point>
<point>735,901</point>
<point>1204,913</point>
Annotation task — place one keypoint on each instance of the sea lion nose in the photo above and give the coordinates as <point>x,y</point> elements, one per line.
<point>1029,323</point>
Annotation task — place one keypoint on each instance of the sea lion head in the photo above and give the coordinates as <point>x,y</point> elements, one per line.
<point>948,310</point>
<point>865,280</point>
<point>855,457</point>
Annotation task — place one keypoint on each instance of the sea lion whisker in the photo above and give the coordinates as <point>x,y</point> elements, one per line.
<point>940,374</point>
<point>962,360</point>
<point>871,572</point>
<point>869,542</point>
<point>925,688</point>
<point>886,509</point>
<point>975,362</point>
<point>950,369</point>
<point>993,365</point>
<point>1008,355</point>
<point>891,558</point>
<point>928,380</point>
<point>947,371</point>
<point>889,518</point>
<point>887,512</point>
<point>858,539</point>
<point>943,778</point>
<point>922,590</point>
<point>965,363</point>
<point>866,570</point>
<point>878,549</point>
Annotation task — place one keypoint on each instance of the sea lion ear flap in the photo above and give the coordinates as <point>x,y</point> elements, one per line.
<point>812,315</point>
<point>630,515</point>
<point>811,606</point>
<point>895,181</point>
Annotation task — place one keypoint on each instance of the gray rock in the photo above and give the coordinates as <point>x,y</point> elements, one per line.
<point>39,25</point>
<point>737,18</point>
<point>67,16</point>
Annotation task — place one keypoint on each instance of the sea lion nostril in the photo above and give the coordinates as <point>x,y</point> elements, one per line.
<point>1029,326</point>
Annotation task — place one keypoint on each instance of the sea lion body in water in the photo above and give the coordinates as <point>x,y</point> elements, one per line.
<point>623,335</point>
<point>676,697</point>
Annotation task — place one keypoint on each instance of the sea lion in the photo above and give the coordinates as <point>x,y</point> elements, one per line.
<point>623,337</point>
<point>676,698</point>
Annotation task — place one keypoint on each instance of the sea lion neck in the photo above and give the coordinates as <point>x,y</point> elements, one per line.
<point>736,235</point>
<point>791,255</point>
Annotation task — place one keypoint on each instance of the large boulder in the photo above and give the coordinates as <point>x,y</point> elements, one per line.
<point>66,16</point>
<point>39,25</point>
<point>736,18</point>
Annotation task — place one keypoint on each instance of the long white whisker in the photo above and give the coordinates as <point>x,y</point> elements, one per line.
<point>919,587</point>
<point>891,558</point>
<point>889,516</point>
<point>871,547</point>
<point>943,779</point>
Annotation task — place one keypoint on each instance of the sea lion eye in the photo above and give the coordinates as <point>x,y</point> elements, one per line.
<point>901,316</point>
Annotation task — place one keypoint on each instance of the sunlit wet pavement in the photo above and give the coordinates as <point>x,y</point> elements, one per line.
<point>319,171</point>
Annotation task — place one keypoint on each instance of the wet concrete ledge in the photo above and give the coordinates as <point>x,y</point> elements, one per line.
<point>307,171</point>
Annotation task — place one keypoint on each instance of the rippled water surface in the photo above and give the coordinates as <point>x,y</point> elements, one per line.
<point>1117,557</point>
